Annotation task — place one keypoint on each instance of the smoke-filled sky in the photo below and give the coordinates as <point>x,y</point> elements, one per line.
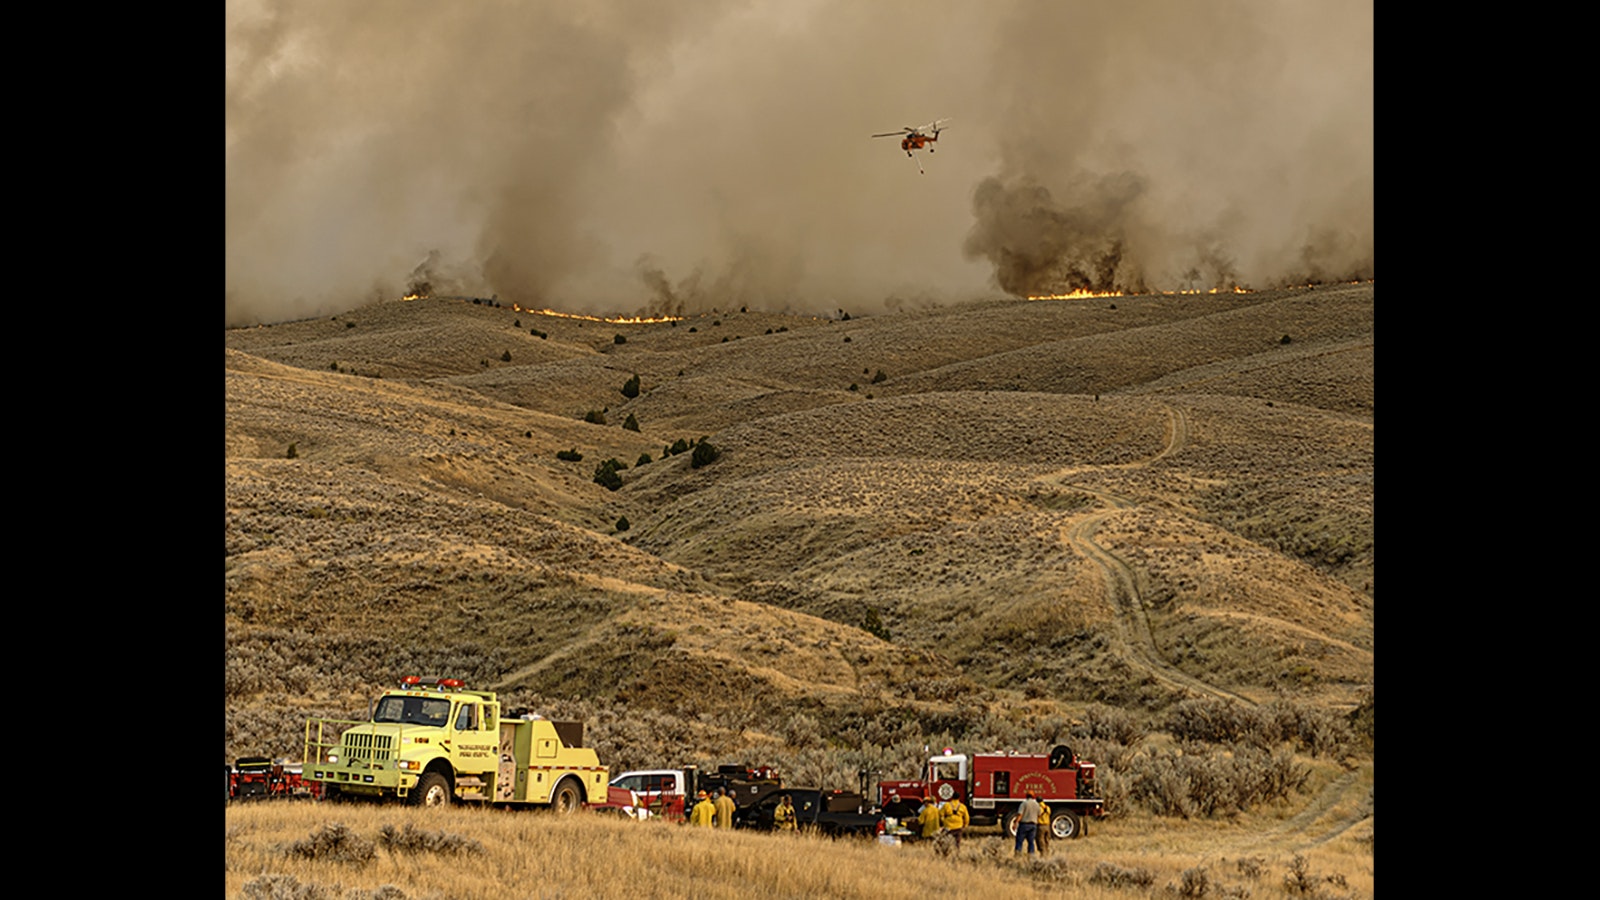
<point>617,156</point>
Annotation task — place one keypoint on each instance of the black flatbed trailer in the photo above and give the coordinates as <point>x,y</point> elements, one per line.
<point>828,812</point>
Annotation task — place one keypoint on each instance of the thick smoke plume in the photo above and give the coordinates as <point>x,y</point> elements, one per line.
<point>1179,146</point>
<point>631,156</point>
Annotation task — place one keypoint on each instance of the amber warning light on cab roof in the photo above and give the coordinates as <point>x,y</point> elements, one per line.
<point>413,682</point>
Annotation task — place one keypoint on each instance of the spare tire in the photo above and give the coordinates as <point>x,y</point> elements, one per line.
<point>1061,757</point>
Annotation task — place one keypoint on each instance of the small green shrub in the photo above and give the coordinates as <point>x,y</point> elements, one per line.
<point>1300,880</point>
<point>1112,875</point>
<point>704,454</point>
<point>880,377</point>
<point>643,460</point>
<point>506,356</point>
<point>630,388</point>
<point>1196,883</point>
<point>337,842</point>
<point>619,339</point>
<point>631,423</point>
<point>412,839</point>
<point>294,452</point>
<point>595,417</point>
<point>569,455</point>
<point>873,624</point>
<point>623,524</point>
<point>606,475</point>
<point>679,446</point>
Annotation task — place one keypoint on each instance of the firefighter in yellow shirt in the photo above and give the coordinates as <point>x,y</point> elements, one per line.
<point>724,806</point>
<point>1044,828</point>
<point>705,812</point>
<point>929,819</point>
<point>955,818</point>
<point>783,816</point>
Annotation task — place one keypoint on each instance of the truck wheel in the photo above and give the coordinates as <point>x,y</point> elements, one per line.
<point>1066,824</point>
<point>1008,824</point>
<point>432,790</point>
<point>567,798</point>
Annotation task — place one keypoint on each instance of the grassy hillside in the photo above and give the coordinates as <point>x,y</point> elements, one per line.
<point>994,525</point>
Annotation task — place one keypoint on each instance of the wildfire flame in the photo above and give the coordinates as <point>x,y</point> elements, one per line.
<point>614,320</point>
<point>1082,294</point>
<point>517,307</point>
<point>1079,294</point>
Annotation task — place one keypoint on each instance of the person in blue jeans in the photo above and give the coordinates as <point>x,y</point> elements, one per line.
<point>1028,825</point>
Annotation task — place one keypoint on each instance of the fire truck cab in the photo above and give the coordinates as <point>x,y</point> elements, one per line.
<point>947,776</point>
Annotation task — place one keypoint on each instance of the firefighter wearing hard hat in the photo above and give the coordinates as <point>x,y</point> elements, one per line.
<point>955,817</point>
<point>704,813</point>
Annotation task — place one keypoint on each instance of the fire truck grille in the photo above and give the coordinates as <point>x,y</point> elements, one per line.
<point>367,747</point>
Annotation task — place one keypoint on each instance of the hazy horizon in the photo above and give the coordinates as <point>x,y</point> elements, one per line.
<point>618,157</point>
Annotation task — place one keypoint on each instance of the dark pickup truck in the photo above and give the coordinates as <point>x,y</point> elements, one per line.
<point>829,812</point>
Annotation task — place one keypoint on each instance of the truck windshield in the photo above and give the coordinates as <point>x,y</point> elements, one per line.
<point>412,710</point>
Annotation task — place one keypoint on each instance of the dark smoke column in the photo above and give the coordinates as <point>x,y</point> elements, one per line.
<point>1150,145</point>
<point>1039,245</point>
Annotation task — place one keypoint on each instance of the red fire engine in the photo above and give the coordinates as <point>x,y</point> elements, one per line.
<point>993,786</point>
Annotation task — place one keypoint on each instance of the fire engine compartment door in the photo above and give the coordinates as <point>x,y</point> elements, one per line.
<point>511,775</point>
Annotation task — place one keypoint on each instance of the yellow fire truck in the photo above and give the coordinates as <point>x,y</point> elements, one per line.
<point>432,740</point>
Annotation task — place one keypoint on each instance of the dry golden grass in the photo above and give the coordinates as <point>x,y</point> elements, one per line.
<point>537,854</point>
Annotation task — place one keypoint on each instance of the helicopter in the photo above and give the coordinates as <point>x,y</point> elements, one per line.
<point>917,138</point>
